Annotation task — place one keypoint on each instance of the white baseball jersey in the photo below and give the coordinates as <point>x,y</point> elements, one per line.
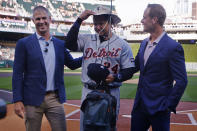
<point>114,53</point>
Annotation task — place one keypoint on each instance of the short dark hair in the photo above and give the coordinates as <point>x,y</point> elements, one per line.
<point>157,10</point>
<point>41,8</point>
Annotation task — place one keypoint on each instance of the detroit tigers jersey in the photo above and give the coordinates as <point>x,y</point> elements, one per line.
<point>114,54</point>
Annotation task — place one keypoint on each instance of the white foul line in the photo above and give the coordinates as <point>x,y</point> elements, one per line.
<point>185,111</point>
<point>71,104</point>
<point>72,113</point>
<point>73,119</point>
<point>190,115</point>
<point>193,121</point>
<point>128,116</point>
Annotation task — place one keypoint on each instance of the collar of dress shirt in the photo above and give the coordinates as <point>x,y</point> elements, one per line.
<point>39,37</point>
<point>158,38</point>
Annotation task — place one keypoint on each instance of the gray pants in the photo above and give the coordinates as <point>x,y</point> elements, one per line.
<point>53,110</point>
<point>115,92</point>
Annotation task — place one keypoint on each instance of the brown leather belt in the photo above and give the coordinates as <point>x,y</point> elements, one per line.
<point>51,92</point>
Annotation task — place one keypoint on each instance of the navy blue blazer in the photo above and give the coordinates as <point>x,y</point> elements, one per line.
<point>29,74</point>
<point>165,65</point>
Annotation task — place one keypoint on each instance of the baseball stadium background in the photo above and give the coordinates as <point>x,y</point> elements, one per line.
<point>15,23</point>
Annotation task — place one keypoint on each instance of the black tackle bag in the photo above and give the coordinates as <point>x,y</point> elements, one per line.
<point>99,110</point>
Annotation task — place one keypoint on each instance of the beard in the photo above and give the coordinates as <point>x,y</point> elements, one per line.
<point>149,29</point>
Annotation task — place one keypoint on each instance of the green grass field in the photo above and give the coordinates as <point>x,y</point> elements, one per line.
<point>127,91</point>
<point>190,51</point>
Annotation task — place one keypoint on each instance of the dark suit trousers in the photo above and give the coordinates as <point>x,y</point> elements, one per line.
<point>141,120</point>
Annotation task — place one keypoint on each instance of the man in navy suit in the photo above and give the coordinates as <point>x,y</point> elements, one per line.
<point>38,83</point>
<point>162,79</point>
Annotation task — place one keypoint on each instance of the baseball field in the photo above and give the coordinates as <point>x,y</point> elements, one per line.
<point>184,120</point>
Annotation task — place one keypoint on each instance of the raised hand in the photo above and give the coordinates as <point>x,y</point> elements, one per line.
<point>86,14</point>
<point>110,78</point>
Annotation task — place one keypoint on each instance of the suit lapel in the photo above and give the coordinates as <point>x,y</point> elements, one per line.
<point>38,50</point>
<point>156,50</point>
<point>143,47</point>
<point>55,44</point>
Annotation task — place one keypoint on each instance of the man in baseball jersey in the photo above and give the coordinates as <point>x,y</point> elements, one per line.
<point>104,48</point>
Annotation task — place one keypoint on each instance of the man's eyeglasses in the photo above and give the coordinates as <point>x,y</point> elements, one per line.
<point>46,45</point>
